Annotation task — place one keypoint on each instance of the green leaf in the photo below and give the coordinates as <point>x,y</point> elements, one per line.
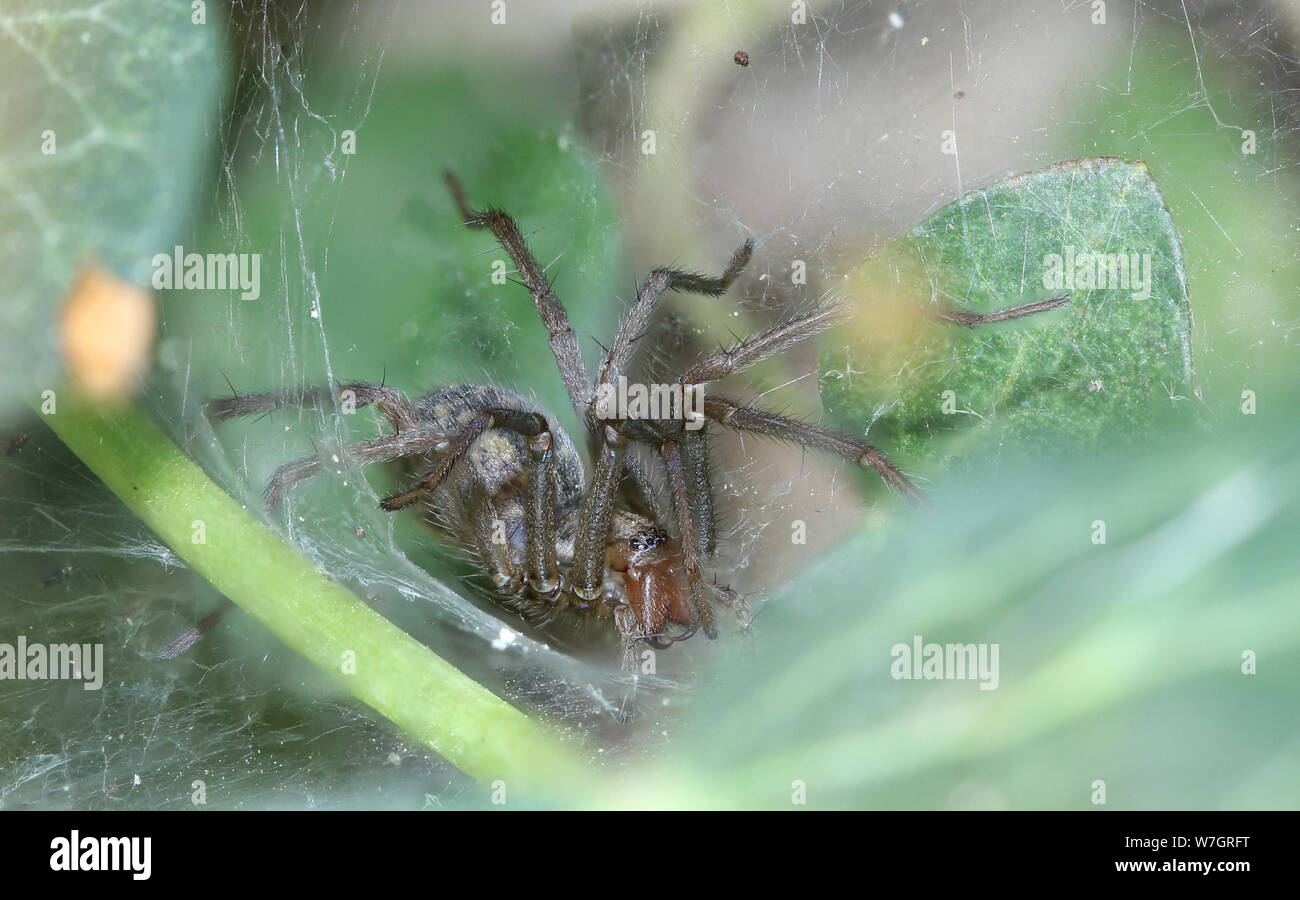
<point>106,111</point>
<point>1113,365</point>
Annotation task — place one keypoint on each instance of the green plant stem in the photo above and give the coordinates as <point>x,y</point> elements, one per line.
<point>400,678</point>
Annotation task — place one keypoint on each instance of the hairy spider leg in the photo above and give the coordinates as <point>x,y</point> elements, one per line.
<point>697,464</point>
<point>637,320</point>
<point>385,448</point>
<point>632,327</point>
<point>563,340</point>
<point>392,404</point>
<point>743,354</point>
<point>972,320</point>
<point>792,331</point>
<point>408,439</point>
<point>759,421</point>
<point>753,350</point>
<point>691,556</point>
<point>594,518</point>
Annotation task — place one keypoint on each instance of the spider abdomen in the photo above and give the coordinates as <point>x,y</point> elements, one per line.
<point>481,506</point>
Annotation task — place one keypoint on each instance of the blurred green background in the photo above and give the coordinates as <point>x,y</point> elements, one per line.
<point>1120,662</point>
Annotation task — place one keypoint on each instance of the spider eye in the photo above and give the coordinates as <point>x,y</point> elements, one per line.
<point>648,539</point>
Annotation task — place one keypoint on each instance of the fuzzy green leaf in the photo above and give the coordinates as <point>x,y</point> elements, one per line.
<point>106,111</point>
<point>1108,367</point>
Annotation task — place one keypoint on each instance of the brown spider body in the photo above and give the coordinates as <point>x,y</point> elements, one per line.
<point>481,508</point>
<point>501,480</point>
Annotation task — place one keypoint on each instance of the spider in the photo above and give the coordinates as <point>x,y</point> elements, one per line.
<point>502,482</point>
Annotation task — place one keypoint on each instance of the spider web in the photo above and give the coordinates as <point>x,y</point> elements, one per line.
<point>827,145</point>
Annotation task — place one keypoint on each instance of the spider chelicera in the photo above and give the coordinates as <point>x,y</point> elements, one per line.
<point>503,483</point>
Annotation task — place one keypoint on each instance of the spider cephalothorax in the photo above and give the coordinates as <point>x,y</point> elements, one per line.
<point>504,483</point>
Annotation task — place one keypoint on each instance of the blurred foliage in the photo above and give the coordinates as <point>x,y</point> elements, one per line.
<point>1120,661</point>
<point>106,115</point>
<point>1107,367</point>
